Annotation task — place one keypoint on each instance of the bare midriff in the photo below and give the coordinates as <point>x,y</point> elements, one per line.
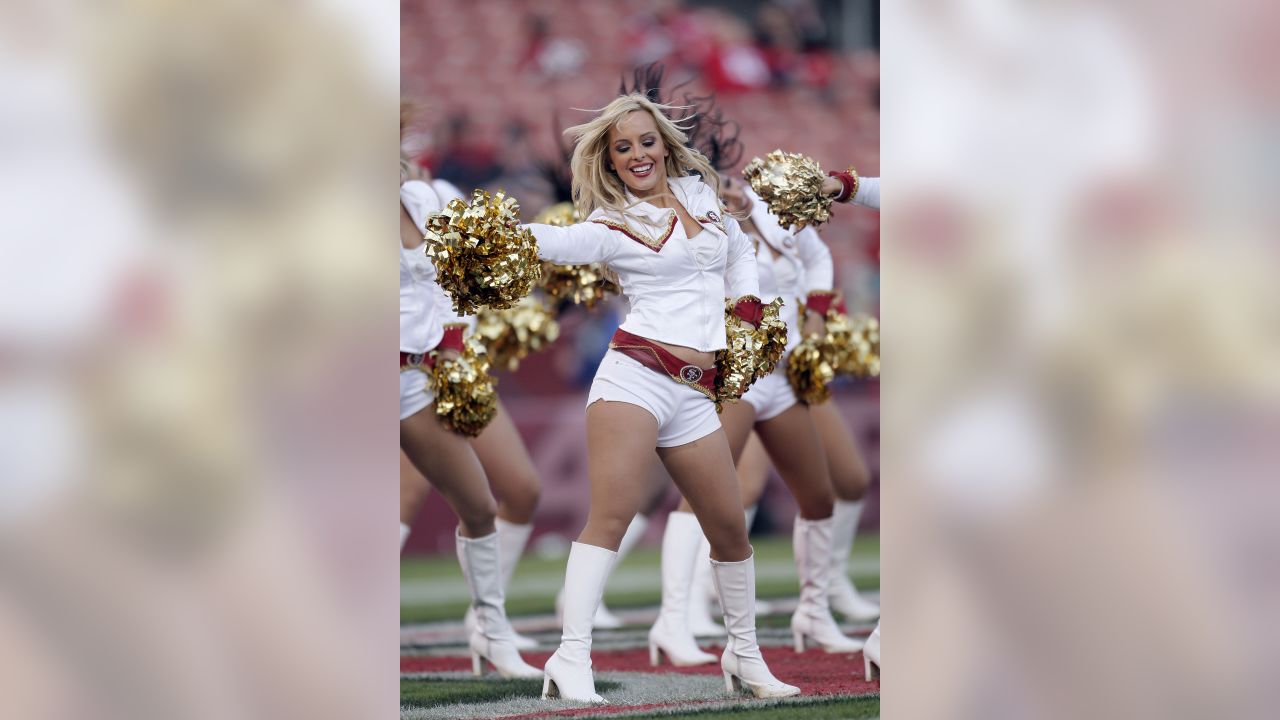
<point>689,355</point>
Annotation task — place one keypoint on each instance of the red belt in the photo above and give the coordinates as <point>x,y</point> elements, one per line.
<point>414,360</point>
<point>655,357</point>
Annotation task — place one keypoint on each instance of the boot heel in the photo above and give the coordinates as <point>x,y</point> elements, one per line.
<point>731,683</point>
<point>798,636</point>
<point>871,670</point>
<point>477,664</point>
<point>655,655</point>
<point>548,688</point>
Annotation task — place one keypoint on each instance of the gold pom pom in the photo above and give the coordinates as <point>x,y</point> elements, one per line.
<point>483,257</point>
<point>792,186</point>
<point>847,346</point>
<point>863,359</point>
<point>809,370</point>
<point>466,399</point>
<point>751,354</point>
<point>510,335</point>
<point>584,284</point>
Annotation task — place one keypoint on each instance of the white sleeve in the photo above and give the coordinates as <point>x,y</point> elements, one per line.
<point>819,272</point>
<point>420,200</point>
<point>740,275</point>
<point>577,244</point>
<point>868,194</point>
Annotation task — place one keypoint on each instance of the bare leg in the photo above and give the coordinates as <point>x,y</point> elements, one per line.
<point>455,471</point>
<point>753,470</point>
<point>510,470</point>
<point>736,420</point>
<point>792,442</point>
<point>620,442</point>
<point>414,490</point>
<point>849,473</point>
<point>703,471</point>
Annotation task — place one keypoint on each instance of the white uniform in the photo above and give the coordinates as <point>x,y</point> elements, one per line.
<point>802,264</point>
<point>422,301</point>
<point>676,286</point>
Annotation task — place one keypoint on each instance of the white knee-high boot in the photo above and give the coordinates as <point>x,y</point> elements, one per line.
<point>743,665</point>
<point>568,671</point>
<point>492,639</point>
<point>844,595</point>
<point>670,635</point>
<point>512,538</point>
<point>812,618</point>
<point>606,620</point>
<point>701,624</point>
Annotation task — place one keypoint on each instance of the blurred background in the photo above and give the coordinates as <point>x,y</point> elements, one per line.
<point>497,81</point>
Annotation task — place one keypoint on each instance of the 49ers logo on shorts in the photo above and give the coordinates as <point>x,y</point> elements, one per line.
<point>691,373</point>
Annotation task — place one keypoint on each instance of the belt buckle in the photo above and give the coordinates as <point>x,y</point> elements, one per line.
<point>691,373</point>
<point>417,358</point>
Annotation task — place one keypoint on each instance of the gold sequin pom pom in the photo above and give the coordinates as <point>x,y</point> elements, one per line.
<point>752,353</point>
<point>511,334</point>
<point>791,184</point>
<point>466,398</point>
<point>483,257</point>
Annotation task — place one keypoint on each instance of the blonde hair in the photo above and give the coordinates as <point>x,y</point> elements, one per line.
<point>595,186</point>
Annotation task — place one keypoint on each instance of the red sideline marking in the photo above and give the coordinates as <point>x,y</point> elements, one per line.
<point>814,672</point>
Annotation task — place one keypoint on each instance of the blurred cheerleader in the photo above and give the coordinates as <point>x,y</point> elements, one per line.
<point>662,230</point>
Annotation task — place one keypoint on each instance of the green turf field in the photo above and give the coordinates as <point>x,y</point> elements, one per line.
<point>536,579</point>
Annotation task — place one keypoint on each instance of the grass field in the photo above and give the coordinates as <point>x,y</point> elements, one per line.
<point>433,588</point>
<point>435,671</point>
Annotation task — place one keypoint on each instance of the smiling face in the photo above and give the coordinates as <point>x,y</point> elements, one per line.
<point>638,154</point>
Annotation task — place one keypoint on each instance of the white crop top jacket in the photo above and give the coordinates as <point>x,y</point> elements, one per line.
<point>803,265</point>
<point>422,301</point>
<point>676,285</point>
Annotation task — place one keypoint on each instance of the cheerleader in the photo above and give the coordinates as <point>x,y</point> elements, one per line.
<point>848,187</point>
<point>506,462</point>
<point>790,266</point>
<point>439,454</point>
<point>663,231</point>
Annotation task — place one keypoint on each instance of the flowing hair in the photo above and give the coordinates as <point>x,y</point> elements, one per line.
<point>596,186</point>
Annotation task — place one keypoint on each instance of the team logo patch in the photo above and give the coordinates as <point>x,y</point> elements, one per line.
<point>417,358</point>
<point>691,373</point>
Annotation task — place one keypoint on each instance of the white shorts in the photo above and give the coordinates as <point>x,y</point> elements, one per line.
<point>771,395</point>
<point>414,392</point>
<point>683,413</point>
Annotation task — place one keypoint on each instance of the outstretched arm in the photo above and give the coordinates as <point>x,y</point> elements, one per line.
<point>578,244</point>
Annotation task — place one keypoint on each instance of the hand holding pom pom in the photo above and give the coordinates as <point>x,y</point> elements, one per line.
<point>752,352</point>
